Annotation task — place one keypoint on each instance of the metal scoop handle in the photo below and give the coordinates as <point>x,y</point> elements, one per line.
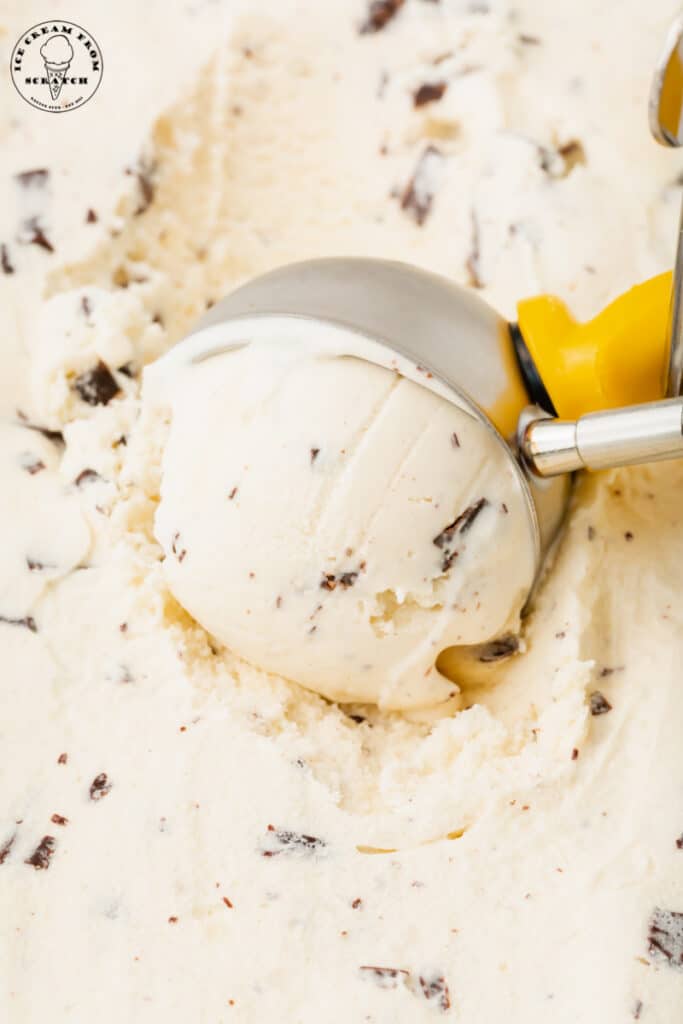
<point>601,440</point>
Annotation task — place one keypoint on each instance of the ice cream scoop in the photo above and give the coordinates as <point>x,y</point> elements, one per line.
<point>366,464</point>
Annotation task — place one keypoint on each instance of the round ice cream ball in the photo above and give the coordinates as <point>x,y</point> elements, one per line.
<point>337,524</point>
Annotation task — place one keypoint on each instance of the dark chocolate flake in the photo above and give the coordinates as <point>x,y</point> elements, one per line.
<point>87,476</point>
<point>435,990</point>
<point>5,261</point>
<point>342,579</point>
<point>62,759</point>
<point>497,650</point>
<point>86,305</point>
<point>176,547</point>
<point>637,1009</point>
<point>665,937</point>
<point>32,464</point>
<point>28,622</point>
<point>429,92</point>
<point>97,386</point>
<point>455,441</point>
<point>6,848</point>
<point>287,842</point>
<point>380,13</point>
<point>529,40</point>
<point>34,565</point>
<point>418,195</point>
<point>679,842</point>
<point>315,452</point>
<point>386,977</point>
<point>33,233</point>
<point>91,217</point>
<point>40,858</point>
<point>233,494</point>
<point>100,787</point>
<point>599,704</point>
<point>59,819</point>
<point>36,178</point>
<point>144,172</point>
<point>473,261</point>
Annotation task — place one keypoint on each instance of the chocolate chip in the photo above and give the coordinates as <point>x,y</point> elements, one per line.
<point>33,565</point>
<point>666,937</point>
<point>575,754</point>
<point>380,13</point>
<point>86,307</point>
<point>435,990</point>
<point>497,650</point>
<point>359,719</point>
<point>315,452</point>
<point>418,195</point>
<point>33,233</point>
<point>144,172</point>
<point>37,178</point>
<point>6,848</point>
<point>100,787</point>
<point>28,622</point>
<point>233,494</point>
<point>429,92</point>
<point>599,704</point>
<point>59,819</point>
<point>473,261</point>
<point>56,436</point>
<point>87,476</point>
<point>62,759</point>
<point>357,903</point>
<point>5,262</point>
<point>679,842</point>
<point>40,858</point>
<point>91,217</point>
<point>609,670</point>
<point>32,464</point>
<point>455,442</point>
<point>343,580</point>
<point>284,841</point>
<point>97,386</point>
<point>385,977</point>
<point>228,903</point>
<point>176,547</point>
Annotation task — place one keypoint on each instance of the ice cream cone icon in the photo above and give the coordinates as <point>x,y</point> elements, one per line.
<point>57,55</point>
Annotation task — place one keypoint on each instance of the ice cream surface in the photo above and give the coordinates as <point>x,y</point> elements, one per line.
<point>334,522</point>
<point>185,836</point>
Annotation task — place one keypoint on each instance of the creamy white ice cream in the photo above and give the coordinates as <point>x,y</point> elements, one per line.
<point>182,835</point>
<point>335,523</point>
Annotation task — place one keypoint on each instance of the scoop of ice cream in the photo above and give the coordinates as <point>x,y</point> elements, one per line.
<point>336,523</point>
<point>57,51</point>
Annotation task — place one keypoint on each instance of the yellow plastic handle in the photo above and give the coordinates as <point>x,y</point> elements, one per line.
<point>618,358</point>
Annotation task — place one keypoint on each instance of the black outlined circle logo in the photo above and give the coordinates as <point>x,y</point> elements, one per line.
<point>56,66</point>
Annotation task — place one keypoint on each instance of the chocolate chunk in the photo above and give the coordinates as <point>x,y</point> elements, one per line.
<point>5,262</point>
<point>33,233</point>
<point>380,13</point>
<point>284,841</point>
<point>40,858</point>
<point>59,819</point>
<point>87,476</point>
<point>497,650</point>
<point>228,903</point>
<point>91,217</point>
<point>666,937</point>
<point>386,977</point>
<point>28,622</point>
<point>6,848</point>
<point>37,178</point>
<point>100,787</point>
<point>435,990</point>
<point>455,442</point>
<point>460,525</point>
<point>97,386</point>
<point>628,535</point>
<point>418,195</point>
<point>359,719</point>
<point>315,452</point>
<point>599,704</point>
<point>176,547</point>
<point>62,759</point>
<point>679,842</point>
<point>473,261</point>
<point>357,903</point>
<point>343,580</point>
<point>56,436</point>
<point>429,92</point>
